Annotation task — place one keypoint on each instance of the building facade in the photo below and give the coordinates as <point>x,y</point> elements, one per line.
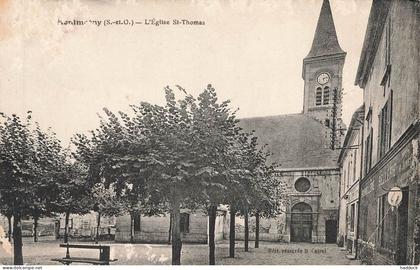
<point>388,73</point>
<point>350,161</point>
<point>303,146</point>
<point>80,226</point>
<point>157,229</point>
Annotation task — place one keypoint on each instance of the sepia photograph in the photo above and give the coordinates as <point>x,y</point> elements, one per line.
<point>209,132</point>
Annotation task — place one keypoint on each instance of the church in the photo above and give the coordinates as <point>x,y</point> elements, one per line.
<point>305,144</point>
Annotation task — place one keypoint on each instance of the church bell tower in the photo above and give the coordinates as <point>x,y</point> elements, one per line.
<point>323,69</point>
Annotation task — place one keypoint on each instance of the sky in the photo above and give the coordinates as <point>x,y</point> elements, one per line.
<point>250,51</point>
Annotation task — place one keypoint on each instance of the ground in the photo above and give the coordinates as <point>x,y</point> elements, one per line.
<point>269,253</point>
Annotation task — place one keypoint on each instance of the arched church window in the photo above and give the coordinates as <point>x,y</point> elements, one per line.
<point>301,208</point>
<point>302,184</point>
<point>318,96</point>
<point>326,98</point>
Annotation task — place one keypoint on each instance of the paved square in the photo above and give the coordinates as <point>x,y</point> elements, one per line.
<point>269,253</point>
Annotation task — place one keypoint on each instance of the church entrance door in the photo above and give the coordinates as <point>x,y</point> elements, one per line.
<point>330,231</point>
<point>301,223</point>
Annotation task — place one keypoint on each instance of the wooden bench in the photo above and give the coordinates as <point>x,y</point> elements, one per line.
<point>104,254</point>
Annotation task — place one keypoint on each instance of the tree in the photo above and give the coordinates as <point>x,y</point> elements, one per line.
<point>238,194</point>
<point>185,154</point>
<point>113,158</point>
<point>169,129</point>
<point>254,185</point>
<point>269,205</point>
<point>215,129</point>
<point>72,192</point>
<point>266,192</point>
<point>17,165</point>
<point>47,162</point>
<point>180,147</point>
<point>26,178</point>
<point>30,162</point>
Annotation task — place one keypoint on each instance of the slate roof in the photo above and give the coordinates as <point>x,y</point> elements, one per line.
<point>325,40</point>
<point>295,140</point>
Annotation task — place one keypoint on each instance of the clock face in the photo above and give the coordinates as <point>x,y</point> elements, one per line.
<point>323,78</point>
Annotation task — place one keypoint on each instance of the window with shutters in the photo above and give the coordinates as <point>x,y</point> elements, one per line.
<point>355,166</point>
<point>385,124</point>
<point>388,42</point>
<point>368,143</point>
<point>368,158</point>
<point>348,173</point>
<point>352,216</point>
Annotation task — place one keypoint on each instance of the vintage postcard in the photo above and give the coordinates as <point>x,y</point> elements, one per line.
<point>198,132</point>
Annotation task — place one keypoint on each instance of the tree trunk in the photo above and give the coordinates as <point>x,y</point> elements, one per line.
<point>17,241</point>
<point>232,232</point>
<point>257,229</point>
<point>176,233</point>
<point>66,227</point>
<point>212,229</point>
<point>35,229</point>
<point>9,233</point>
<point>57,229</point>
<point>246,230</point>
<point>131,227</point>
<point>97,227</point>
<point>170,228</point>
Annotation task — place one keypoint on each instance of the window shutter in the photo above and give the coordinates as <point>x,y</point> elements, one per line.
<point>380,133</point>
<point>370,147</point>
<point>389,118</point>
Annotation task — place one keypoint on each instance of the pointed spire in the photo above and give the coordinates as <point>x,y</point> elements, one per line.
<point>325,40</point>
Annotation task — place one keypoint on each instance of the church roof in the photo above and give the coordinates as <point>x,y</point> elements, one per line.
<point>325,40</point>
<point>294,140</point>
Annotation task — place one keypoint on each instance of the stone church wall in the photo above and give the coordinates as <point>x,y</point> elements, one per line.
<point>322,197</point>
